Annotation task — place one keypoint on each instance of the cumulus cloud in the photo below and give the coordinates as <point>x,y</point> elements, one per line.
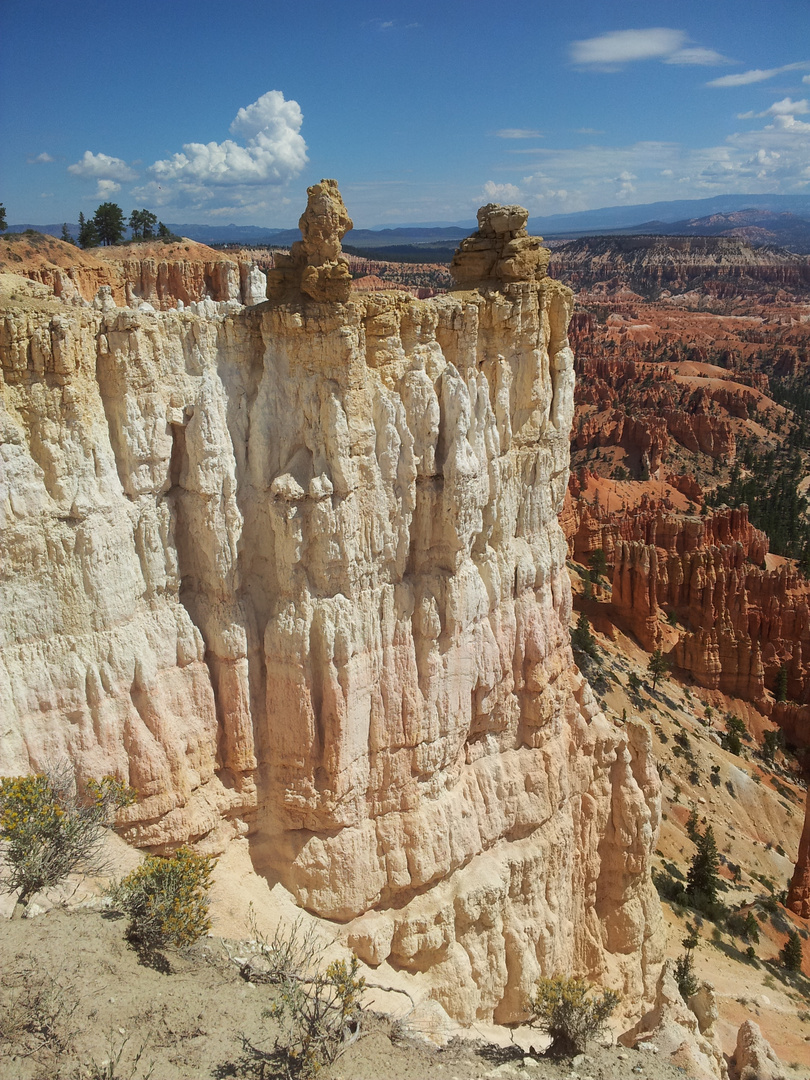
<point>518,133</point>
<point>40,159</point>
<point>785,107</point>
<point>501,191</point>
<point>102,167</point>
<point>107,188</point>
<point>610,51</point>
<point>745,78</point>
<point>273,153</point>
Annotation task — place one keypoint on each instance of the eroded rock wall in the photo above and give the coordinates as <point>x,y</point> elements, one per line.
<point>298,571</point>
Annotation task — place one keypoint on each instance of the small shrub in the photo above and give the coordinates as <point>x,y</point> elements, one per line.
<point>685,967</point>
<point>166,899</point>
<point>49,830</point>
<point>564,1009</point>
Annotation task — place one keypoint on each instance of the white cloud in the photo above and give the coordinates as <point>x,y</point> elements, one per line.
<point>806,78</point>
<point>697,56</point>
<point>40,159</point>
<point>609,51</point>
<point>501,191</point>
<point>773,158</point>
<point>745,78</point>
<point>786,107</point>
<point>518,133</point>
<point>588,131</point>
<point>274,153</point>
<point>102,166</point>
<point>106,189</point>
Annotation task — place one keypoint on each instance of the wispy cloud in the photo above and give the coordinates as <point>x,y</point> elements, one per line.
<point>518,133</point>
<point>385,26</point>
<point>745,78</point>
<point>611,51</point>
<point>40,159</point>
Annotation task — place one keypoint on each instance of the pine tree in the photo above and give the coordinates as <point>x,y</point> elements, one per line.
<point>88,237</point>
<point>658,665</point>
<point>109,222</point>
<point>703,879</point>
<point>582,638</point>
<point>791,952</point>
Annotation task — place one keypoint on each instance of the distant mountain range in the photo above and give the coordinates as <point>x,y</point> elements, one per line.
<point>773,219</point>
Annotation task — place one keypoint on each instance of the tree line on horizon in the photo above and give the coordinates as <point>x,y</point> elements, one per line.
<point>107,226</point>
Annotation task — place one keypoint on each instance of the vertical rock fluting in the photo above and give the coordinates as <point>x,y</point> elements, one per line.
<point>334,548</point>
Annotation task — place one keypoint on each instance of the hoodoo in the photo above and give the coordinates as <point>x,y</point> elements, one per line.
<point>296,572</point>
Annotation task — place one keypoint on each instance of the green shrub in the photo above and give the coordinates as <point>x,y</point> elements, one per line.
<point>49,830</point>
<point>318,1016</point>
<point>166,899</point>
<point>565,1009</point>
<point>685,967</point>
<point>791,952</point>
<point>582,638</point>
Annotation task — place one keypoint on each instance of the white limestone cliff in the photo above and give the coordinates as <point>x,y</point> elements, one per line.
<point>296,571</point>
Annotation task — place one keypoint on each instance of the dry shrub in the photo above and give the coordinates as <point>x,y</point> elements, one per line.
<point>49,829</point>
<point>166,899</point>
<point>318,1010</point>
<point>37,1012</point>
<point>566,1009</point>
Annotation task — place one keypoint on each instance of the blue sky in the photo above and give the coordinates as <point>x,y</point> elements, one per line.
<point>215,112</point>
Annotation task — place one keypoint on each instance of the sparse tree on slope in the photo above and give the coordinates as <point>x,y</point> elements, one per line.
<point>658,665</point>
<point>3,225</point>
<point>703,879</point>
<point>791,952</point>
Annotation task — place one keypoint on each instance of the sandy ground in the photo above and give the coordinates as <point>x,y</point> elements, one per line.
<point>87,999</point>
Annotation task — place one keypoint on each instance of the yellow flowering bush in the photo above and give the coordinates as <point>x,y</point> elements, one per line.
<point>49,830</point>
<point>166,899</point>
<point>565,1009</point>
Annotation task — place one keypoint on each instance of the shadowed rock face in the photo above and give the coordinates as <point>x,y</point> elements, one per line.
<point>298,572</point>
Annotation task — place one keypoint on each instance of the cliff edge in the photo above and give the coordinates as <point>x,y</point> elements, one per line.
<point>296,572</point>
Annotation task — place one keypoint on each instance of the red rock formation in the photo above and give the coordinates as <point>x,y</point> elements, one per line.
<point>798,899</point>
<point>158,273</point>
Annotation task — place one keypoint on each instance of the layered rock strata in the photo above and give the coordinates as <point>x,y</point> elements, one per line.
<point>159,274</point>
<point>298,571</point>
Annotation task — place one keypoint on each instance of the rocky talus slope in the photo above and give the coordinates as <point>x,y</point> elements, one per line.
<point>296,571</point>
